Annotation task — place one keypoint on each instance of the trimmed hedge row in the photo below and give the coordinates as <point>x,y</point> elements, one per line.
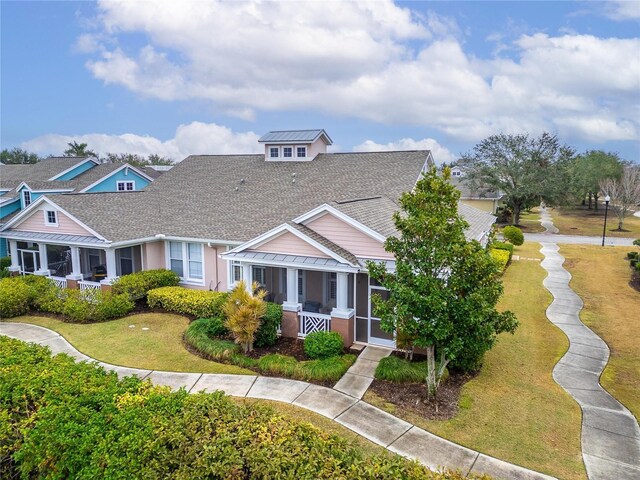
<point>197,303</point>
<point>136,285</point>
<point>501,257</point>
<point>66,420</point>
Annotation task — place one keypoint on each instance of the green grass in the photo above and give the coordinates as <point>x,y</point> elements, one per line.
<point>513,409</point>
<point>581,221</point>
<point>611,308</point>
<point>158,348</point>
<point>395,369</point>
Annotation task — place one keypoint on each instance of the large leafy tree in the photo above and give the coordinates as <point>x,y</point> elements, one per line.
<point>444,290</point>
<point>18,156</point>
<point>590,169</point>
<point>79,150</point>
<point>138,160</point>
<point>526,169</point>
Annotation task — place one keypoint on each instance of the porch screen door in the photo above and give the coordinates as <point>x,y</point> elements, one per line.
<point>30,260</point>
<point>377,336</point>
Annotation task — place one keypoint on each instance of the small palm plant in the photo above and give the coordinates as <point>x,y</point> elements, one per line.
<point>244,312</point>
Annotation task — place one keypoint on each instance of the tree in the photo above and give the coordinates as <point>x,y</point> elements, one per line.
<point>525,169</point>
<point>244,311</point>
<point>591,168</point>
<point>79,150</point>
<point>138,160</point>
<point>18,156</point>
<point>624,192</point>
<point>444,290</point>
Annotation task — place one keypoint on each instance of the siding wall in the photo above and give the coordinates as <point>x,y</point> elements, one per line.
<point>484,205</point>
<point>36,223</point>
<point>153,254</point>
<point>9,208</point>
<point>110,184</point>
<point>316,147</point>
<point>289,244</point>
<point>348,237</point>
<point>76,171</point>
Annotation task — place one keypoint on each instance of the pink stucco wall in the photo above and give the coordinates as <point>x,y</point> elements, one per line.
<point>316,147</point>
<point>289,244</point>
<point>348,237</point>
<point>154,257</point>
<point>36,223</point>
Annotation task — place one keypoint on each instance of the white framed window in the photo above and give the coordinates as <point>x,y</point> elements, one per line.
<point>274,152</point>
<point>175,258</point>
<point>26,198</point>
<point>194,252</point>
<point>126,185</point>
<point>302,288</point>
<point>301,152</point>
<point>287,152</point>
<point>236,272</point>
<point>456,173</point>
<point>186,259</point>
<point>50,218</point>
<point>259,275</point>
<point>331,288</point>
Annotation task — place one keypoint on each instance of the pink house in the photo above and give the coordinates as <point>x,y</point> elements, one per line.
<point>298,220</point>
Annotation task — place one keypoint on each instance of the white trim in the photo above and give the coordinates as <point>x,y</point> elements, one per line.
<point>185,278</point>
<point>126,165</point>
<point>277,147</point>
<point>46,190</point>
<point>326,208</point>
<point>296,266</point>
<point>61,174</point>
<point>306,151</point>
<point>23,198</point>
<point>99,246</point>
<point>29,210</point>
<point>125,182</point>
<point>320,134</point>
<point>46,218</point>
<point>274,233</point>
<point>8,200</point>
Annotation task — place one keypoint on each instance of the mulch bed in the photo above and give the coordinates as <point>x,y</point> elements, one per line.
<point>284,346</point>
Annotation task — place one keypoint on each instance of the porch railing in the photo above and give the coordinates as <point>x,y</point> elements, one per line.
<point>85,285</point>
<point>313,322</point>
<point>60,282</point>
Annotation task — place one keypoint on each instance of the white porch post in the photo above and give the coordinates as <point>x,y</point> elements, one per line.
<point>292,304</point>
<point>342,297</point>
<point>15,262</point>
<point>246,276</point>
<point>111,266</point>
<point>76,270</point>
<point>44,263</point>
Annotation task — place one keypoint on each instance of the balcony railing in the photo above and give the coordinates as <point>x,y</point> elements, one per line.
<point>85,285</point>
<point>313,322</point>
<point>60,282</point>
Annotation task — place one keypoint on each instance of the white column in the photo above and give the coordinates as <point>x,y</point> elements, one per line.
<point>15,263</point>
<point>342,297</point>
<point>292,304</point>
<point>44,263</point>
<point>111,266</point>
<point>246,276</point>
<point>76,270</point>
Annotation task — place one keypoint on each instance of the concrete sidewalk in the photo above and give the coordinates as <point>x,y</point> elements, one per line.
<point>610,433</point>
<point>372,423</point>
<point>359,377</point>
<point>577,239</point>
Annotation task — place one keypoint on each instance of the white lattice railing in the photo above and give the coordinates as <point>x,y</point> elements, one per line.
<point>60,282</point>
<point>84,285</point>
<point>313,322</point>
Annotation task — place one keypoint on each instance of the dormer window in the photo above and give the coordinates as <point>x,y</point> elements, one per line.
<point>301,152</point>
<point>274,152</point>
<point>26,198</point>
<point>287,152</point>
<point>50,218</point>
<point>126,185</point>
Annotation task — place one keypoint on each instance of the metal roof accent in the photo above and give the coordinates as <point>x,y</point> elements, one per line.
<point>289,260</point>
<point>52,237</point>
<point>294,136</point>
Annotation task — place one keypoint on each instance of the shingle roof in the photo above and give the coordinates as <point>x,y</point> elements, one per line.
<point>480,222</point>
<point>375,213</point>
<point>466,192</point>
<point>294,136</point>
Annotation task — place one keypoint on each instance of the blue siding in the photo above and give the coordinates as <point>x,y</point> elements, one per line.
<point>77,171</point>
<point>9,208</point>
<point>110,184</point>
<point>4,251</point>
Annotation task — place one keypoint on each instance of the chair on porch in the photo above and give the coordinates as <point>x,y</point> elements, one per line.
<point>99,273</point>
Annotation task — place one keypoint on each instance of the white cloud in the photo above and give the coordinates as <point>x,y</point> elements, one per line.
<point>622,9</point>
<point>370,60</point>
<point>440,154</point>
<point>192,139</point>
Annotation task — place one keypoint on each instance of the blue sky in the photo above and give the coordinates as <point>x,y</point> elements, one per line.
<point>179,78</point>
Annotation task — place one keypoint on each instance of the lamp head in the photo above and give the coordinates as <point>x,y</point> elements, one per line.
<point>607,199</point>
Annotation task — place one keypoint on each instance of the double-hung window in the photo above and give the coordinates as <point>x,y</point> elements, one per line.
<point>185,259</point>
<point>194,251</point>
<point>126,185</point>
<point>175,258</point>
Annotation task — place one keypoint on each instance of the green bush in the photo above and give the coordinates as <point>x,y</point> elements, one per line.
<point>323,344</point>
<point>14,297</point>
<point>497,245</point>
<point>632,255</point>
<point>633,262</point>
<point>197,303</point>
<point>501,257</point>
<point>636,242</point>
<point>201,336</point>
<point>215,326</point>
<point>396,369</point>
<point>5,262</point>
<point>93,305</point>
<point>267,334</point>
<point>66,420</point>
<point>513,235</point>
<point>136,285</point>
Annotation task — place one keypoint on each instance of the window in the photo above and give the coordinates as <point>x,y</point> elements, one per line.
<point>50,217</point>
<point>195,260</point>
<point>185,259</point>
<point>274,152</point>
<point>301,285</point>
<point>236,272</point>
<point>301,152</point>
<point>26,198</point>
<point>287,152</point>
<point>175,258</point>
<point>331,288</point>
<point>126,185</point>
<point>126,260</point>
<point>259,275</point>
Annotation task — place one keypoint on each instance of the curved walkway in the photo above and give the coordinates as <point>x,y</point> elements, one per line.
<point>372,423</point>
<point>610,433</point>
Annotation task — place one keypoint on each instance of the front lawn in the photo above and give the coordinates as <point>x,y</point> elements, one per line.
<point>159,347</point>
<point>581,221</point>
<point>601,277</point>
<point>513,409</point>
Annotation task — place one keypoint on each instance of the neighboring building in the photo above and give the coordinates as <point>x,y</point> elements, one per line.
<point>485,199</point>
<point>303,227</point>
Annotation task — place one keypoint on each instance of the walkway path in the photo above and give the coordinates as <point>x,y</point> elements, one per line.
<point>577,239</point>
<point>372,423</point>
<point>358,378</point>
<point>610,433</point>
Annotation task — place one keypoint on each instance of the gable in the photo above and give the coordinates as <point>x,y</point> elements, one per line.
<point>348,237</point>
<point>35,222</point>
<point>289,244</point>
<point>110,182</point>
<point>75,171</point>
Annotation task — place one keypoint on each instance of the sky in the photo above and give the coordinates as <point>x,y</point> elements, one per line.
<point>203,77</point>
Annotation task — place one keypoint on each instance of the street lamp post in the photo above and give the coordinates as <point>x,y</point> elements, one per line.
<point>607,199</point>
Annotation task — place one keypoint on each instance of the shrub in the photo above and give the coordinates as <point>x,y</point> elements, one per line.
<point>633,262</point>
<point>632,255</point>
<point>267,334</point>
<point>244,311</point>
<point>496,245</point>
<point>197,303</point>
<point>215,326</point>
<point>513,235</point>
<point>5,262</point>
<point>323,344</point>
<point>93,306</point>
<point>136,285</point>
<point>395,369</point>
<point>14,297</point>
<point>501,257</point>
<point>199,338</point>
<point>636,242</point>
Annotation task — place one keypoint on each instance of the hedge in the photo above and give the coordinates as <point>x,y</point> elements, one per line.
<point>197,303</point>
<point>62,419</point>
<point>267,333</point>
<point>501,257</point>
<point>497,245</point>
<point>513,235</point>
<point>323,344</point>
<point>136,285</point>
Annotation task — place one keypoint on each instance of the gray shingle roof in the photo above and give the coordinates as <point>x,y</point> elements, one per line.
<point>466,192</point>
<point>375,213</point>
<point>480,222</point>
<point>294,136</point>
